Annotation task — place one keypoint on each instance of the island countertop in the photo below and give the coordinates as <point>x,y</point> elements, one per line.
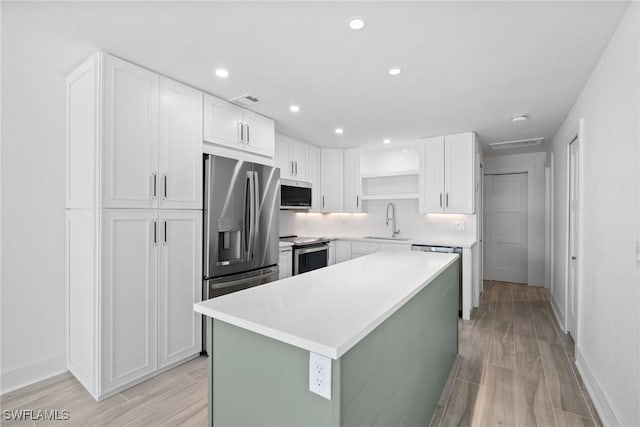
<point>328,311</point>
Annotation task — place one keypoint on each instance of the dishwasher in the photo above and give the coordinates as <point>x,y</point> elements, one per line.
<point>447,250</point>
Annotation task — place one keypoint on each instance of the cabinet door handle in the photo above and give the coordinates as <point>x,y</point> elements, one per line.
<point>155,232</point>
<point>154,178</point>
<point>248,135</point>
<point>447,200</point>
<point>164,181</point>
<point>323,202</point>
<point>357,201</point>
<point>440,199</point>
<point>291,167</point>
<point>165,231</point>
<point>296,163</point>
<point>241,131</point>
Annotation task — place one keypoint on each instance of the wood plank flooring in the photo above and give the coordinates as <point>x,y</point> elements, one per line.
<point>515,366</point>
<point>177,397</point>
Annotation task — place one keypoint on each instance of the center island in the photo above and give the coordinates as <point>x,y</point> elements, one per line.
<point>377,335</point>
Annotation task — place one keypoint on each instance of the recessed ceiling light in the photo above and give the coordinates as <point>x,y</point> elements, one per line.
<point>339,131</point>
<point>386,141</point>
<point>294,108</point>
<point>357,23</point>
<point>394,71</point>
<point>222,73</point>
<point>519,118</point>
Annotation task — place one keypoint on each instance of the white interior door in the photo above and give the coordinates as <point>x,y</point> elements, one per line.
<point>506,227</point>
<point>572,291</point>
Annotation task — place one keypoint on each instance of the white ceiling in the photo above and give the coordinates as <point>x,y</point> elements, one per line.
<point>466,65</point>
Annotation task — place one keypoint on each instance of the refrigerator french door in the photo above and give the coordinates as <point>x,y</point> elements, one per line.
<point>241,225</point>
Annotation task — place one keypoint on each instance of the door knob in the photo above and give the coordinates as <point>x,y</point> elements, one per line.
<point>573,258</point>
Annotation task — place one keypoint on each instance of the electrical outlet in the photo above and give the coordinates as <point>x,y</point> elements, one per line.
<point>458,225</point>
<point>320,375</point>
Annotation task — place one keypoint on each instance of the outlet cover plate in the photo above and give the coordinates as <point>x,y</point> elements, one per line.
<point>320,375</point>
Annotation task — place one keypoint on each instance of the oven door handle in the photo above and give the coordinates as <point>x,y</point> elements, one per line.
<point>302,251</point>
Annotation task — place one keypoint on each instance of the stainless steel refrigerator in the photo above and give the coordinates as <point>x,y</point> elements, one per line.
<point>241,225</point>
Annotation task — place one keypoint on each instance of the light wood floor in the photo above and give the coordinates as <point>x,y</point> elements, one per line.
<point>175,398</point>
<point>515,366</point>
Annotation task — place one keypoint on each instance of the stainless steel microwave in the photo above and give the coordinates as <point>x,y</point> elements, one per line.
<point>295,195</point>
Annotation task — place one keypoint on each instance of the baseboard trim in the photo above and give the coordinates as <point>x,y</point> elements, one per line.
<point>557,313</point>
<point>32,373</point>
<point>599,398</point>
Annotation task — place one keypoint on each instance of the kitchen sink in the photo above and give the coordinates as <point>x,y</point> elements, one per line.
<point>398,239</point>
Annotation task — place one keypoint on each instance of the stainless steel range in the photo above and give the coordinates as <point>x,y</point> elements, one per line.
<point>309,253</point>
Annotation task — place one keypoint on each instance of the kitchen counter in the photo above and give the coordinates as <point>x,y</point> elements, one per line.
<point>327,311</point>
<point>285,244</point>
<point>453,242</point>
<point>370,341</point>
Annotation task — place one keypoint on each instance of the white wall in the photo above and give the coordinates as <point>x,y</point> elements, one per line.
<point>608,342</point>
<point>435,227</point>
<point>33,107</point>
<point>535,240</point>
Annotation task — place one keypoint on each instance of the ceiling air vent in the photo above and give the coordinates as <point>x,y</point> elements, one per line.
<point>245,100</point>
<point>519,143</point>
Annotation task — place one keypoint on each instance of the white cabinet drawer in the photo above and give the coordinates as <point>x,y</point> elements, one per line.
<point>395,247</point>
<point>363,247</point>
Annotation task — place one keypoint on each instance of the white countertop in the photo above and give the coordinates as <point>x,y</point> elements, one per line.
<point>328,311</point>
<point>455,243</point>
<point>285,244</point>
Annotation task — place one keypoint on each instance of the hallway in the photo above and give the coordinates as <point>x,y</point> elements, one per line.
<point>515,366</point>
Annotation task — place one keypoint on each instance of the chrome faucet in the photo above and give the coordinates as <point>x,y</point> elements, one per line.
<point>392,219</point>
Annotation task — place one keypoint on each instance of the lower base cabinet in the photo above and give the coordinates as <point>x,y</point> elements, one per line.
<point>130,309</point>
<point>285,263</point>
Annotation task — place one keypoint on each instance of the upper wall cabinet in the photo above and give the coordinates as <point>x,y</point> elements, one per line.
<point>447,183</point>
<point>234,127</point>
<point>180,140</point>
<point>332,179</point>
<point>292,157</point>
<point>149,135</point>
<point>129,135</point>
<point>352,182</point>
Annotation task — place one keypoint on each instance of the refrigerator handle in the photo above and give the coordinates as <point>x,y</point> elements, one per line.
<point>248,215</point>
<point>256,211</point>
<point>207,221</point>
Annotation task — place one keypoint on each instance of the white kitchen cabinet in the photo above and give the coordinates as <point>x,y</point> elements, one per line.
<point>459,173</point>
<point>314,178</point>
<point>180,141</point>
<point>179,285</point>
<point>129,133</point>
<point>292,157</point>
<point>359,249</point>
<point>259,134</point>
<point>332,179</point>
<point>133,266</point>
<point>343,251</point>
<point>128,298</point>
<point>332,253</point>
<point>285,263</point>
<point>222,122</point>
<point>352,181</point>
<point>447,181</point>
<point>395,247</point>
<point>230,126</point>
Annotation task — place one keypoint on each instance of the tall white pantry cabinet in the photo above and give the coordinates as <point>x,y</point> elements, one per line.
<point>133,223</point>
